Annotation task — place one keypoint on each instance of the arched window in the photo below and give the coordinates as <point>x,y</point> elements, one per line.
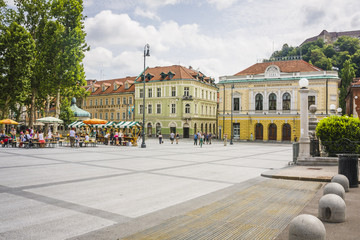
<point>272,101</point>
<point>258,102</point>
<point>286,101</point>
<point>187,108</point>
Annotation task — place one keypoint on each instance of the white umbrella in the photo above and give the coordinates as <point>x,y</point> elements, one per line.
<point>49,120</point>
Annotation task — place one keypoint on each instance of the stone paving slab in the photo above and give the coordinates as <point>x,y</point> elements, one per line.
<point>258,212</point>
<point>348,230</point>
<point>77,192</point>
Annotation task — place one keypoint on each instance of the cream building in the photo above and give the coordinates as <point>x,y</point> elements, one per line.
<point>112,100</point>
<point>264,99</point>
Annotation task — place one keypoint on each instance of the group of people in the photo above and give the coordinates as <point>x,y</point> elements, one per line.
<point>113,138</point>
<point>75,138</point>
<point>173,137</point>
<point>28,137</point>
<point>202,138</point>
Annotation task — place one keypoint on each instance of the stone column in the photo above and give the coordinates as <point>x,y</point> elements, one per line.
<point>304,143</point>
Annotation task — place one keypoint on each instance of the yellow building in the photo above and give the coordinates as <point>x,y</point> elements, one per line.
<point>262,101</point>
<point>112,100</point>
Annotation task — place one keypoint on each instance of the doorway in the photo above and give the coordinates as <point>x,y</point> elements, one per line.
<point>259,131</point>
<point>286,132</point>
<point>272,132</point>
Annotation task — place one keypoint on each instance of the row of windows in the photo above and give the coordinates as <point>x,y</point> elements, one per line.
<point>204,94</point>
<point>116,87</point>
<point>118,102</point>
<point>204,109</point>
<point>125,116</point>
<point>286,102</point>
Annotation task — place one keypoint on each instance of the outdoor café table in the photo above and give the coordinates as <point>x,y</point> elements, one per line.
<point>14,143</point>
<point>35,143</point>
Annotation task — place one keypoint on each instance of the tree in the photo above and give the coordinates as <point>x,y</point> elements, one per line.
<point>69,75</point>
<point>33,15</point>
<point>58,31</point>
<point>356,60</point>
<point>318,58</point>
<point>16,59</point>
<point>347,75</point>
<point>349,44</point>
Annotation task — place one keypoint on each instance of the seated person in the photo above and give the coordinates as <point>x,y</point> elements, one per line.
<point>41,139</point>
<point>87,139</point>
<point>22,139</point>
<point>57,136</point>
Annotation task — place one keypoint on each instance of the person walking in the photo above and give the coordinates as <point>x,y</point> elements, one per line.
<point>177,137</point>
<point>172,136</point>
<point>210,136</point>
<point>160,138</point>
<point>72,137</point>
<point>225,139</point>
<point>195,138</point>
<point>202,137</point>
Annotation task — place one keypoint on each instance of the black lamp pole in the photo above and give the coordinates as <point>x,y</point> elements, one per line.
<point>232,109</point>
<point>146,54</point>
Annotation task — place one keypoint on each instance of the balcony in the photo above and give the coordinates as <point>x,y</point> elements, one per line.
<point>190,98</point>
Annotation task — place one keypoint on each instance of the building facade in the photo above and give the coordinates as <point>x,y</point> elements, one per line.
<point>262,102</point>
<point>112,100</point>
<point>177,99</point>
<point>353,99</point>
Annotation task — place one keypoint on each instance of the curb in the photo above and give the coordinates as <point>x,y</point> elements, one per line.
<point>297,178</point>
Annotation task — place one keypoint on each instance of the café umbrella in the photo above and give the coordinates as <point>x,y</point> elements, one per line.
<point>8,122</point>
<point>94,121</point>
<point>49,120</point>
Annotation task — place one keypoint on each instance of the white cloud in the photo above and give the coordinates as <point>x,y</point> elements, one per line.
<point>159,3</point>
<point>146,14</point>
<point>222,4</point>
<point>246,32</point>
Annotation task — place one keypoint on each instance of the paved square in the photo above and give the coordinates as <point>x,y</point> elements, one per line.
<point>63,192</point>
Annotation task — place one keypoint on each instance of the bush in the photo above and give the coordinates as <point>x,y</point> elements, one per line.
<point>339,134</point>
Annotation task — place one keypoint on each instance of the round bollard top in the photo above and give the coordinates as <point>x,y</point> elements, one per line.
<point>306,227</point>
<point>335,188</point>
<point>342,180</point>
<point>332,208</point>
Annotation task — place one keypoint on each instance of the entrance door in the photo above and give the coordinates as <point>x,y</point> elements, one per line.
<point>186,132</point>
<point>272,131</point>
<point>286,132</point>
<point>158,129</point>
<point>259,131</point>
<point>236,129</point>
<point>149,129</point>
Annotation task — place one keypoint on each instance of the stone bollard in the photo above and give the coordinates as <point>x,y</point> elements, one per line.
<point>342,180</point>
<point>306,227</point>
<point>334,188</point>
<point>332,208</point>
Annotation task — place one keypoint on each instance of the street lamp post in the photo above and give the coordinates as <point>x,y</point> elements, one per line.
<point>232,109</point>
<point>146,54</point>
<point>304,143</point>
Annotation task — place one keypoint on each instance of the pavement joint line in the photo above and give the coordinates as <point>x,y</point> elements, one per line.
<point>68,205</point>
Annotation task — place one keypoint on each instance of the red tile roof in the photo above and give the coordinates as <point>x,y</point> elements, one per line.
<point>285,66</point>
<point>177,72</point>
<point>110,86</point>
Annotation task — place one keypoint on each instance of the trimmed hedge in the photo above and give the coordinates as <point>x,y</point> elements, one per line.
<point>339,134</point>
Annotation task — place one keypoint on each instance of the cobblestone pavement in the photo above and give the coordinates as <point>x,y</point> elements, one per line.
<point>110,192</point>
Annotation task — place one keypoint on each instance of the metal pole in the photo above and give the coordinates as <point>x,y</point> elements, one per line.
<point>146,53</point>
<point>232,109</point>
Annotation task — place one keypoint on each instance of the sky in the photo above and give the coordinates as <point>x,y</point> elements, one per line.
<point>216,37</point>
